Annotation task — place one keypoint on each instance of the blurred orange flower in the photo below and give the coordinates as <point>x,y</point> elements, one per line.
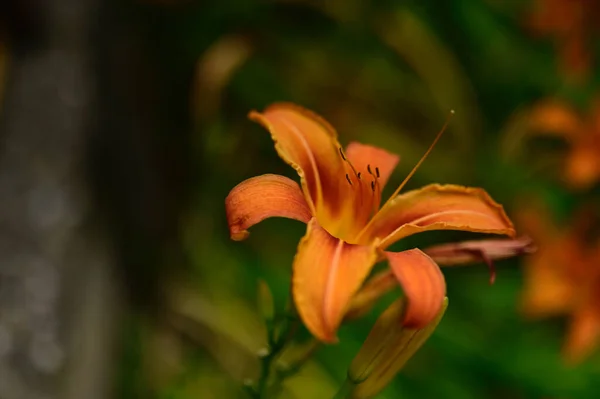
<point>348,231</point>
<point>563,277</point>
<point>569,22</point>
<point>582,163</point>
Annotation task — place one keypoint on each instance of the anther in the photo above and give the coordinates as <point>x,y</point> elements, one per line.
<point>358,175</point>
<point>373,186</point>
<point>342,154</point>
<point>348,178</point>
<point>369,169</point>
<point>377,171</point>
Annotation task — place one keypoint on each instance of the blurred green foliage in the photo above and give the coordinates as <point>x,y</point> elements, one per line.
<point>386,73</point>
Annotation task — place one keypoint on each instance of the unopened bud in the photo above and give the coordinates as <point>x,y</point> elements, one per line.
<point>386,350</point>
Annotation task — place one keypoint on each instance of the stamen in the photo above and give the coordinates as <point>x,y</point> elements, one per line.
<point>349,163</point>
<point>375,187</point>
<point>348,178</point>
<point>412,172</point>
<point>358,175</point>
<point>377,193</point>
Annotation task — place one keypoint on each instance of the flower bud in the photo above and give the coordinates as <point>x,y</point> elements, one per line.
<point>386,350</point>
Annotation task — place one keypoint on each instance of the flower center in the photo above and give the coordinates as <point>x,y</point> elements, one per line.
<point>365,194</point>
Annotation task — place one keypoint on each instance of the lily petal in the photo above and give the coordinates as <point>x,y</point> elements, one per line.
<point>262,197</point>
<point>465,252</point>
<point>437,207</point>
<point>423,284</point>
<point>362,155</point>
<point>327,272</point>
<point>309,144</point>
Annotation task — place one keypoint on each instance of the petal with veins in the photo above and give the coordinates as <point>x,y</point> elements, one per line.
<point>437,207</point>
<point>309,144</point>
<point>262,197</point>
<point>327,272</point>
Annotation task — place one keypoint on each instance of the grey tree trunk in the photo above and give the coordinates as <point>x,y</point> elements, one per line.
<point>93,174</point>
<point>58,297</point>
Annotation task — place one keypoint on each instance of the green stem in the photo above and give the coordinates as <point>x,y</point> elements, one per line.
<point>345,390</point>
<point>286,336</point>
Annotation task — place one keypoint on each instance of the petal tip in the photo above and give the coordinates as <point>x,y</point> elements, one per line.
<point>419,321</point>
<point>254,115</point>
<point>329,338</point>
<point>239,235</point>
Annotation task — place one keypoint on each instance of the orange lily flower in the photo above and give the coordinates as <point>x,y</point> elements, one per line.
<point>563,278</point>
<point>582,163</point>
<point>347,229</point>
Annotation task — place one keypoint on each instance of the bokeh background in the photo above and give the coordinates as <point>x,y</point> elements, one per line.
<point>123,128</point>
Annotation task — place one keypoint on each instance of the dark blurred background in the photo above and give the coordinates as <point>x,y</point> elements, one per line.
<point>123,127</point>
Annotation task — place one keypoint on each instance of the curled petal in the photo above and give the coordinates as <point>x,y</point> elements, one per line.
<point>362,155</point>
<point>437,207</point>
<point>327,272</point>
<point>309,144</point>
<point>462,253</point>
<point>423,284</point>
<point>261,197</point>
